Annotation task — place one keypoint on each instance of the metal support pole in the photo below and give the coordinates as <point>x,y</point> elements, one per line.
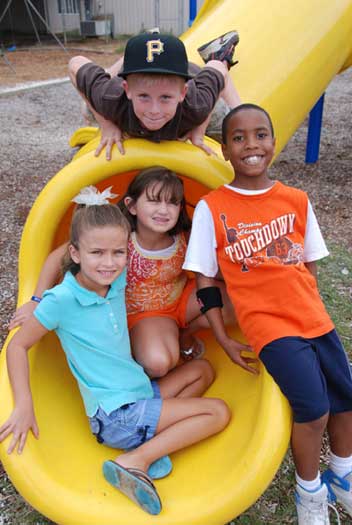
<point>5,10</point>
<point>192,11</point>
<point>7,62</point>
<point>180,16</point>
<point>32,22</point>
<point>46,25</point>
<point>63,21</point>
<point>157,13</point>
<point>314,131</point>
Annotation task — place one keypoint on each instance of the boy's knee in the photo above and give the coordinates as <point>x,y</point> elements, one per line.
<point>316,425</point>
<point>311,410</point>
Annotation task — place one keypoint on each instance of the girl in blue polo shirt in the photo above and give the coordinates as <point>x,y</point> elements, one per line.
<point>126,410</point>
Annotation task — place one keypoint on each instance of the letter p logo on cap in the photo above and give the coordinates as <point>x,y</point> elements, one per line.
<point>154,47</point>
<point>155,53</point>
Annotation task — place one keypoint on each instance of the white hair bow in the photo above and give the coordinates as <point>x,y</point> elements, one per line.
<point>91,196</point>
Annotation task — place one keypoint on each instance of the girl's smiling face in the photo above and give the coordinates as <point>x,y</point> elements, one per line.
<point>249,146</point>
<point>102,256</point>
<point>155,210</point>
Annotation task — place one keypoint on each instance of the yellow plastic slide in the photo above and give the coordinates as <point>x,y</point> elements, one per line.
<point>288,53</point>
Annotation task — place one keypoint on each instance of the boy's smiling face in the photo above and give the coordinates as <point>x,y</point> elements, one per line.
<point>250,145</point>
<point>155,100</point>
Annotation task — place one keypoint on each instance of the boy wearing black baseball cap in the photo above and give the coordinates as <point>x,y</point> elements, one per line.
<point>157,95</point>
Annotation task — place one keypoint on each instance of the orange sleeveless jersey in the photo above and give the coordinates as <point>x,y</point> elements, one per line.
<point>260,241</point>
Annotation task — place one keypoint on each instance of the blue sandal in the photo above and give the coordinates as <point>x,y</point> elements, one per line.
<point>160,468</point>
<point>135,484</point>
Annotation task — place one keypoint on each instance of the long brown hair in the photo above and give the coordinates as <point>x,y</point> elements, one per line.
<point>86,218</point>
<point>171,188</point>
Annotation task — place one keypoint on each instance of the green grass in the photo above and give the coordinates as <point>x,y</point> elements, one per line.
<point>276,506</point>
<point>335,283</point>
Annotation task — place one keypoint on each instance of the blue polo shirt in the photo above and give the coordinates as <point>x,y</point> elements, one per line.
<point>93,333</point>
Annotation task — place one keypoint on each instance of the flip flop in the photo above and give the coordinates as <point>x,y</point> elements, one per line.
<point>160,468</point>
<point>135,484</point>
<point>190,354</point>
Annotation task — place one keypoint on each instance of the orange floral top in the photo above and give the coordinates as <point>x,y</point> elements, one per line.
<point>155,279</point>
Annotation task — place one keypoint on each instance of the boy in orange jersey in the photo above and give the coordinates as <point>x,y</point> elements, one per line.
<point>264,237</point>
<point>152,92</point>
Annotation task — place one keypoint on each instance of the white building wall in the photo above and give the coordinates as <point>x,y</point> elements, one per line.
<point>60,22</point>
<point>133,16</point>
<point>69,22</point>
<point>129,16</point>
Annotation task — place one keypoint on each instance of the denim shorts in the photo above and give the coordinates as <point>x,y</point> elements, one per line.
<point>313,374</point>
<point>130,425</point>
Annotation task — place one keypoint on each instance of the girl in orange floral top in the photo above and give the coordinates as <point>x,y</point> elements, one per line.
<point>161,299</point>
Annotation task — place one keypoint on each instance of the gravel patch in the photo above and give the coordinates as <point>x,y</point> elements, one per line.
<point>35,129</point>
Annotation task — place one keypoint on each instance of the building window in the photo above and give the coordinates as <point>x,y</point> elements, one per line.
<point>68,6</point>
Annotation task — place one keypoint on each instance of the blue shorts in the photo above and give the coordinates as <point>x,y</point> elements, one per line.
<point>313,374</point>
<point>130,425</point>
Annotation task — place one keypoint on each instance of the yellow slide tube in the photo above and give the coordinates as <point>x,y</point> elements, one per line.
<point>288,53</point>
<point>60,474</point>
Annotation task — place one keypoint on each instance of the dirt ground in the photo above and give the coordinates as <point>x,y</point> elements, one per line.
<point>47,62</point>
<point>36,125</point>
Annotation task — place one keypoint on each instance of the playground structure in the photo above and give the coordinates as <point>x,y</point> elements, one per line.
<point>287,58</point>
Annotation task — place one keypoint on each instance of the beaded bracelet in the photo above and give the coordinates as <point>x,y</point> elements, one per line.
<point>36,298</point>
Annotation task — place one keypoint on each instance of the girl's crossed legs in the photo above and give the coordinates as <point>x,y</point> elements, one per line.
<point>156,340</point>
<point>185,417</point>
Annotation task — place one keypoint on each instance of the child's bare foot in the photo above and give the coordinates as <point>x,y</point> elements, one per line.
<point>160,468</point>
<point>132,459</point>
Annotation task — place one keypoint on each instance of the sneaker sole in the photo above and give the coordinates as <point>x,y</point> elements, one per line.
<point>218,43</point>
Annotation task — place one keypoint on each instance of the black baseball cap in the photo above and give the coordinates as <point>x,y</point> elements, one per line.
<point>155,53</point>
